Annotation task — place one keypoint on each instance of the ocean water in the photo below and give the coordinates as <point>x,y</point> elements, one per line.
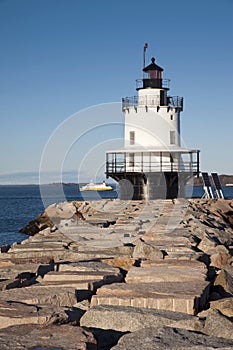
<point>21,204</point>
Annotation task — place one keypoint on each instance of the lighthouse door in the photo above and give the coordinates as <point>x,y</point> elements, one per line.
<point>162,97</point>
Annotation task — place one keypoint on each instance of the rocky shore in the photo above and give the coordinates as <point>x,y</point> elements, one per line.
<point>115,274</point>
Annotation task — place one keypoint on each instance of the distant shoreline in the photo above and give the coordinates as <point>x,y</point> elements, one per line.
<point>82,183</point>
<point>225,180</point>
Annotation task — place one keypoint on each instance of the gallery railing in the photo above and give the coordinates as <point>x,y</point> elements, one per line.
<point>126,162</point>
<point>150,101</point>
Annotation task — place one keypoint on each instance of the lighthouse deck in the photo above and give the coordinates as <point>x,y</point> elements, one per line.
<point>141,161</point>
<point>151,101</point>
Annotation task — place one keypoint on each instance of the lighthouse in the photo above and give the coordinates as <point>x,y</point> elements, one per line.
<point>153,163</point>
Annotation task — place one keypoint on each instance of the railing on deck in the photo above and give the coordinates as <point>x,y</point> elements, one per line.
<point>150,101</point>
<point>144,163</point>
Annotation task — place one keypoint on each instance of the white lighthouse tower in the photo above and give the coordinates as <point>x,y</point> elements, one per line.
<point>152,160</point>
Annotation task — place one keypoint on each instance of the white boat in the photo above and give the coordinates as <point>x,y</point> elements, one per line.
<point>96,187</point>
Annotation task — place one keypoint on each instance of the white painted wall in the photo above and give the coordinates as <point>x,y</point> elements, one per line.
<point>152,128</point>
<point>149,96</point>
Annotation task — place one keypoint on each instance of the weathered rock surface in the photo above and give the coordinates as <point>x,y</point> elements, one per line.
<point>124,263</point>
<point>216,324</point>
<point>187,297</point>
<point>83,276</point>
<point>130,319</point>
<point>122,266</point>
<point>13,271</point>
<point>147,251</point>
<point>165,273</point>
<point>170,338</point>
<point>163,285</point>
<point>221,258</point>
<point>224,282</point>
<point>42,222</point>
<point>16,313</point>
<point>22,280</point>
<point>66,337</point>
<point>225,306</point>
<point>41,295</point>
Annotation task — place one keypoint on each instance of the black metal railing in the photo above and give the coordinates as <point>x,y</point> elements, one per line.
<point>175,101</point>
<point>151,101</point>
<point>144,163</point>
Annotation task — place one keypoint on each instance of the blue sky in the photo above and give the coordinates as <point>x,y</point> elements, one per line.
<point>59,57</point>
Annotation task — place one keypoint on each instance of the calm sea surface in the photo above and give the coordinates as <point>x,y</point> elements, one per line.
<point>21,204</point>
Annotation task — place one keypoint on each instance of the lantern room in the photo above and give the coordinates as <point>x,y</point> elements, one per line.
<point>152,75</point>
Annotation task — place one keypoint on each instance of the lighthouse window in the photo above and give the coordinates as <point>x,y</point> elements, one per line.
<point>172,138</point>
<point>171,117</point>
<point>131,137</point>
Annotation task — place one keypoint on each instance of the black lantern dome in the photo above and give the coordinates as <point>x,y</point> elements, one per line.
<point>152,77</point>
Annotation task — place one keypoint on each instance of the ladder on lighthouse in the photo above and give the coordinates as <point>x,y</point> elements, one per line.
<point>207,186</point>
<point>218,186</point>
<point>218,193</point>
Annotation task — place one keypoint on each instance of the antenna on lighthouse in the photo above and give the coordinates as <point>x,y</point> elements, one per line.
<point>144,56</point>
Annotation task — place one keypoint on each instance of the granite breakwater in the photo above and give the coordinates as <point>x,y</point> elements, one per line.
<point>114,274</point>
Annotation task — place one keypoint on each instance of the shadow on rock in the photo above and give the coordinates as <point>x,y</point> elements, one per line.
<point>106,338</point>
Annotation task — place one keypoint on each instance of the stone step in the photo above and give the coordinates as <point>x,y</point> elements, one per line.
<point>183,303</point>
<point>39,255</point>
<point>91,254</point>
<point>15,313</point>
<point>11,271</point>
<point>131,319</point>
<point>35,247</point>
<point>13,259</point>
<point>187,297</point>
<point>176,249</point>
<point>99,266</point>
<point>171,246</point>
<point>124,226</point>
<point>80,276</point>
<point>170,263</point>
<point>164,274</point>
<point>77,285</point>
<point>110,242</point>
<point>124,263</point>
<point>42,294</point>
<point>117,237</point>
<point>176,235</point>
<point>181,256</point>
<point>50,240</point>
